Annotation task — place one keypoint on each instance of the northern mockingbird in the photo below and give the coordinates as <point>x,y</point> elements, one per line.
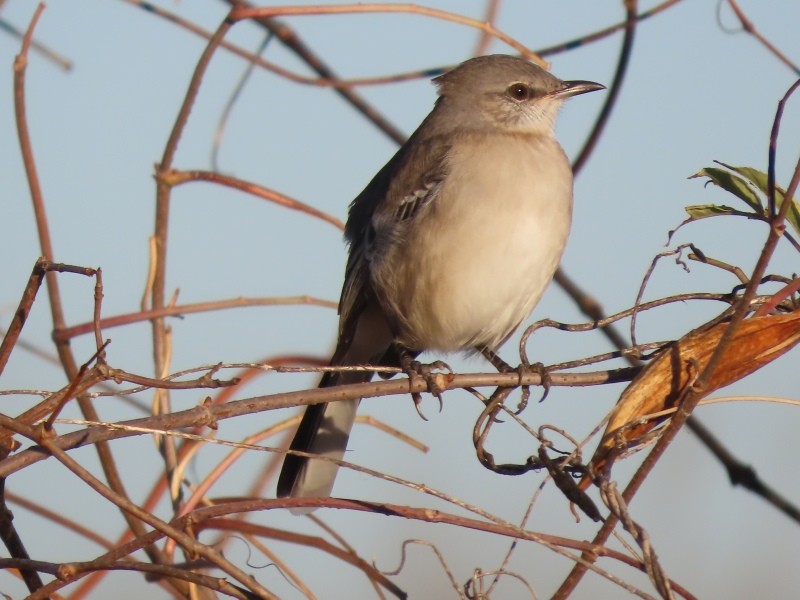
<point>453,241</point>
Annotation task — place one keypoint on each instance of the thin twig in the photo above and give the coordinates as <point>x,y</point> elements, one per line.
<point>174,178</point>
<point>160,235</point>
<point>489,16</point>
<point>178,310</point>
<point>293,42</point>
<point>747,25</point>
<point>614,89</point>
<point>65,354</point>
<point>590,38</point>
<point>240,12</point>
<point>26,303</point>
<point>499,527</point>
<point>60,61</point>
<point>693,394</point>
<point>186,540</point>
<point>210,415</point>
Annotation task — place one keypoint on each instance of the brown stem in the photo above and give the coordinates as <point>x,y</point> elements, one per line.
<point>695,393</point>
<point>748,26</point>
<point>160,236</point>
<point>40,269</point>
<point>614,89</point>
<point>291,40</point>
<point>184,309</point>
<point>241,12</point>
<point>208,415</point>
<point>185,540</point>
<point>605,32</point>
<point>174,178</point>
<point>66,357</point>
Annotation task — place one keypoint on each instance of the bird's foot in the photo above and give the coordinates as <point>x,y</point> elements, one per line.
<point>521,370</point>
<point>543,373</point>
<point>432,375</point>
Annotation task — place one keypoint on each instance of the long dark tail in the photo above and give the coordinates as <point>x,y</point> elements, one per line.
<point>324,429</point>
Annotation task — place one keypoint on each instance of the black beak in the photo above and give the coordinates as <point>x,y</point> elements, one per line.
<point>575,88</point>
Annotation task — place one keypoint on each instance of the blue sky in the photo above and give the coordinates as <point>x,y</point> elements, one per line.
<point>694,93</point>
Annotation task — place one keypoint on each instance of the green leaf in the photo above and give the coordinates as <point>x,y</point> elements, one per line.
<point>754,176</point>
<point>736,185</point>
<point>761,181</point>
<point>703,211</point>
<point>793,216</point>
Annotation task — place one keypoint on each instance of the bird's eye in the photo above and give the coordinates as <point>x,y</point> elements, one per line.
<point>519,92</point>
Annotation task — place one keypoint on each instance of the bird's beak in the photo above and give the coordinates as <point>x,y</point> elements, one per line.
<point>574,88</point>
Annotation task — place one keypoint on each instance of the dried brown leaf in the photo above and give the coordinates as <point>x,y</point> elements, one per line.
<point>663,382</point>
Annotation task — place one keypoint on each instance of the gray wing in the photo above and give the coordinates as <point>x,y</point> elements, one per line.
<point>379,216</point>
<point>396,196</point>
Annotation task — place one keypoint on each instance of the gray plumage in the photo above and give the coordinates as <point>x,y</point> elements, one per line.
<point>452,243</point>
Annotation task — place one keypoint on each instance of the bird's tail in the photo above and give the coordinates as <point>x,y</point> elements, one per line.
<point>324,430</point>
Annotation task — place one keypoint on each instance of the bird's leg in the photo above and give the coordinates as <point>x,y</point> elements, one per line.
<point>503,367</point>
<point>429,372</point>
<point>494,358</point>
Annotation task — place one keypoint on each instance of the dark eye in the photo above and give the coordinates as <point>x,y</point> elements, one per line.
<point>518,91</point>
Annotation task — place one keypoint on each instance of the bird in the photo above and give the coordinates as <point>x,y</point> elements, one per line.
<point>451,244</point>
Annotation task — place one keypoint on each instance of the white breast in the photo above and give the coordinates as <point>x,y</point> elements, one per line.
<point>475,265</point>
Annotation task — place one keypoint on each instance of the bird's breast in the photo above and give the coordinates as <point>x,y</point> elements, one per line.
<point>473,266</point>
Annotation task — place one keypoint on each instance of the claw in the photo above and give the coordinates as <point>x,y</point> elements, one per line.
<point>542,371</point>
<point>547,381</point>
<point>503,367</point>
<point>417,398</point>
<point>430,374</point>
